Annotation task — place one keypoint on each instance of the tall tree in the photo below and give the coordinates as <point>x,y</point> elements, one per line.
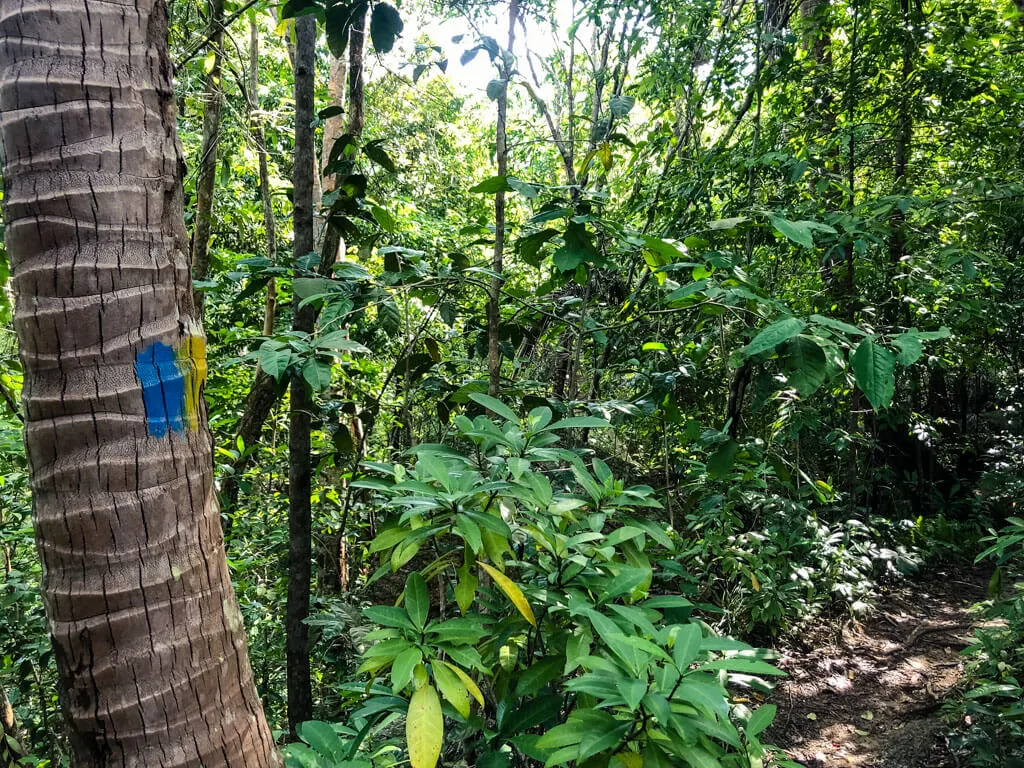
<point>146,631</point>
<point>300,694</point>
<point>213,103</point>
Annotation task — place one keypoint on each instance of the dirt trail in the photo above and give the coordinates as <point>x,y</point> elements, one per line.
<point>869,694</point>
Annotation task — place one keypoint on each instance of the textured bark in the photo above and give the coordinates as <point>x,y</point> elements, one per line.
<point>356,80</point>
<point>147,633</point>
<point>300,694</point>
<point>214,100</point>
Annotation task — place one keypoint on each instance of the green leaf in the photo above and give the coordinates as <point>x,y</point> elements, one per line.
<point>687,290</point>
<point>910,348</point>
<point>698,758</point>
<point>529,246</point>
<point>470,532</point>
<point>776,333</point>
<point>304,287</point>
<point>385,27</point>
<point>452,688</point>
<point>620,106</point>
<point>495,406</point>
<point>340,342</point>
<point>465,588</point>
<point>317,374</point>
<point>720,462</point>
<point>578,248</point>
<point>799,232</point>
<point>382,217</point>
<point>495,88</point>
<point>686,646</point>
<point>874,368</point>
<point>492,186</point>
<point>417,599</point>
<point>389,616</point>
<point>337,23</point>
<point>323,738</point>
<point>526,190</point>
<point>741,664</point>
<point>402,667</point>
<point>838,325</point>
<point>578,422</point>
<point>377,154</point>
<point>805,365</point>
<point>760,720</point>
<point>274,359</point>
<point>633,691</point>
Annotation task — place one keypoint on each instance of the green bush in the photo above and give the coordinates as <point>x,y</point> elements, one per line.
<point>993,705</point>
<point>533,628</point>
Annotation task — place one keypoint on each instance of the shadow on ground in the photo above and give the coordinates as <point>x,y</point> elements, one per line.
<point>870,694</point>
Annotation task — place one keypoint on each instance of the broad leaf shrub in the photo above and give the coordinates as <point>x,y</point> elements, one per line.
<point>992,710</point>
<point>534,634</point>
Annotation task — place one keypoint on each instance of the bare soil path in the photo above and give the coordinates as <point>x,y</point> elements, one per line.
<point>869,694</point>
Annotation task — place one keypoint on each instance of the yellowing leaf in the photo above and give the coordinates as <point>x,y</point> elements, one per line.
<point>452,688</point>
<point>424,728</point>
<point>468,682</point>
<point>755,583</point>
<point>512,590</point>
<point>628,760</point>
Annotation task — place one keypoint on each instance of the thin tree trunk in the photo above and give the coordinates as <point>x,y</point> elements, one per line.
<point>214,97</point>
<point>11,745</point>
<point>147,633</point>
<point>300,694</point>
<point>269,226</point>
<point>901,154</point>
<point>356,80</point>
<point>497,260</point>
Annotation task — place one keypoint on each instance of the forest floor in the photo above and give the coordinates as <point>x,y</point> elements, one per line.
<point>870,693</point>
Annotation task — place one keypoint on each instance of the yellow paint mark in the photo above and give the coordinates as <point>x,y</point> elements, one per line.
<point>192,364</point>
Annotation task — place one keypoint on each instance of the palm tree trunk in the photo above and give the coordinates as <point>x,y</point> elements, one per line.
<point>146,630</point>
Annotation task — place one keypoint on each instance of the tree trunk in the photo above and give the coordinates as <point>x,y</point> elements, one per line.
<point>146,630</point>
<point>300,695</point>
<point>214,97</point>
<point>356,80</point>
<point>11,749</point>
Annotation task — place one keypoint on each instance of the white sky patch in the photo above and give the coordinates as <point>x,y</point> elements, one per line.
<point>542,37</point>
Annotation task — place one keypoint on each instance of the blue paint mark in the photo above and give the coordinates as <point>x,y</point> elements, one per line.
<point>163,389</point>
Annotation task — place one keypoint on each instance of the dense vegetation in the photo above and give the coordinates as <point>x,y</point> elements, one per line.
<point>634,335</point>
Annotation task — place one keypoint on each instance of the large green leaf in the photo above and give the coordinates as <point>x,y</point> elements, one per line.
<point>385,27</point>
<point>720,462</point>
<point>417,599</point>
<point>317,374</point>
<point>874,367</point>
<point>323,738</point>
<point>776,333</point>
<point>805,365</point>
<point>495,406</point>
<point>491,186</point>
<point>275,358</point>
<point>800,232</point>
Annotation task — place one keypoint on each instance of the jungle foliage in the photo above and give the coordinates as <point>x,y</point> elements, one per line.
<point>754,272</point>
